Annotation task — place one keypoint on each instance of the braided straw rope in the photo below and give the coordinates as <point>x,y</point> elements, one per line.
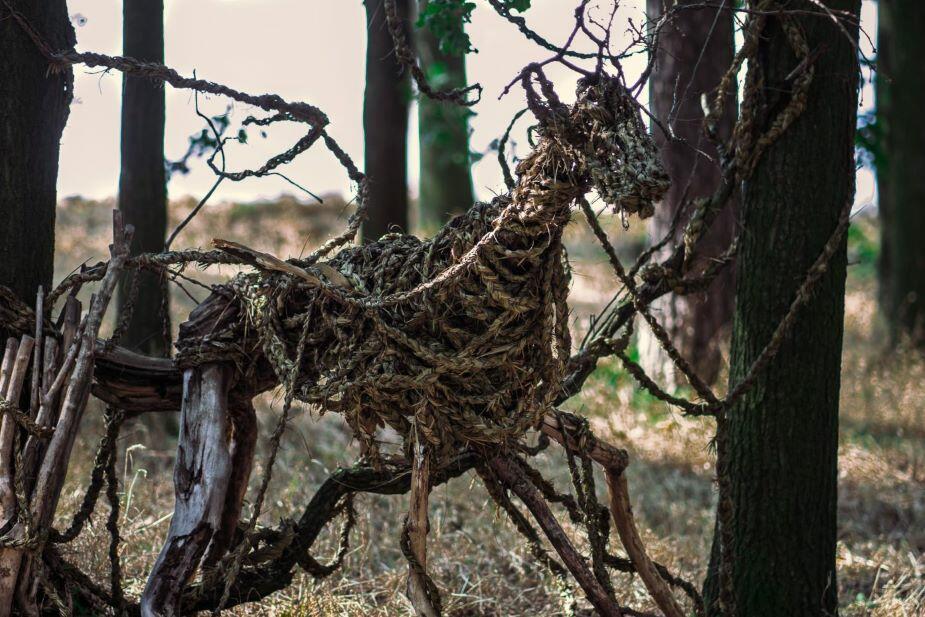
<point>466,333</point>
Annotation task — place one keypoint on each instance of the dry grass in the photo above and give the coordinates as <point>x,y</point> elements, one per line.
<point>478,559</point>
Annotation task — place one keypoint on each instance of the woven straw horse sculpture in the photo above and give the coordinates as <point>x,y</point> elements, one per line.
<point>457,343</point>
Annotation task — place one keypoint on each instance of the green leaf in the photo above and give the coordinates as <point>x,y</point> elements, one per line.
<point>446,20</point>
<point>517,5</point>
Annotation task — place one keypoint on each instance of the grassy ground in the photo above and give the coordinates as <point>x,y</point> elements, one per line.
<point>477,558</point>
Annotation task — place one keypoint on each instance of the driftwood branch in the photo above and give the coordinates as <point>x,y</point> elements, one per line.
<point>201,478</point>
<point>513,478</point>
<point>622,514</point>
<point>420,587</point>
<point>54,464</point>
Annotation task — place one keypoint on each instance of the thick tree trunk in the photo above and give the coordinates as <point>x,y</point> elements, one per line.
<point>34,106</point>
<point>443,133</point>
<point>143,182</point>
<point>694,52</point>
<point>783,434</point>
<point>904,150</point>
<point>385,124</point>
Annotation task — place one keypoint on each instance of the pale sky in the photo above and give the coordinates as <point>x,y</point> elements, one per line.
<point>307,50</point>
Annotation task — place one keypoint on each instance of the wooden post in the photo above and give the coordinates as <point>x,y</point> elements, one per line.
<point>201,480</point>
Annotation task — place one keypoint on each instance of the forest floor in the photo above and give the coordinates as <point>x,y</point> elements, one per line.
<point>479,561</point>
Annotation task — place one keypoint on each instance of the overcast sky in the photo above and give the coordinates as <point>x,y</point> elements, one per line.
<point>307,50</point>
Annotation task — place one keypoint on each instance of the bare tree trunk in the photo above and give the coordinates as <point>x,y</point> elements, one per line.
<point>443,134</point>
<point>695,50</point>
<point>143,182</point>
<point>385,124</point>
<point>783,433</point>
<point>34,106</point>
<point>882,82</point>
<point>903,183</point>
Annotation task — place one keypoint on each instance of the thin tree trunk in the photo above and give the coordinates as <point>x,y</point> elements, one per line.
<point>694,52</point>
<point>143,182</point>
<point>905,162</point>
<point>783,433</point>
<point>882,83</point>
<point>34,106</point>
<point>385,124</point>
<point>443,133</point>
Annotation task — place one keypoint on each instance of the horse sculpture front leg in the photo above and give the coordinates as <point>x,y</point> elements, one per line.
<point>214,459</point>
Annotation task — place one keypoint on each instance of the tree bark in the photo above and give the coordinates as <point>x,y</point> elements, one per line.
<point>385,124</point>
<point>880,142</point>
<point>443,134</point>
<point>903,183</point>
<point>695,50</point>
<point>143,182</point>
<point>34,106</point>
<point>783,433</point>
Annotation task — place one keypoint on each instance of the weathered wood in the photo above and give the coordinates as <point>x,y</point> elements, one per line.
<point>136,383</point>
<point>50,398</point>
<point>265,261</point>
<point>53,469</point>
<point>562,428</point>
<point>54,466</point>
<point>243,444</point>
<point>12,392</point>
<point>418,525</point>
<point>39,349</point>
<point>141,384</point>
<point>622,513</point>
<point>201,480</point>
<point>49,364</point>
<point>9,560</point>
<point>70,345</point>
<point>6,369</point>
<point>9,357</point>
<point>514,479</point>
<point>34,449</point>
